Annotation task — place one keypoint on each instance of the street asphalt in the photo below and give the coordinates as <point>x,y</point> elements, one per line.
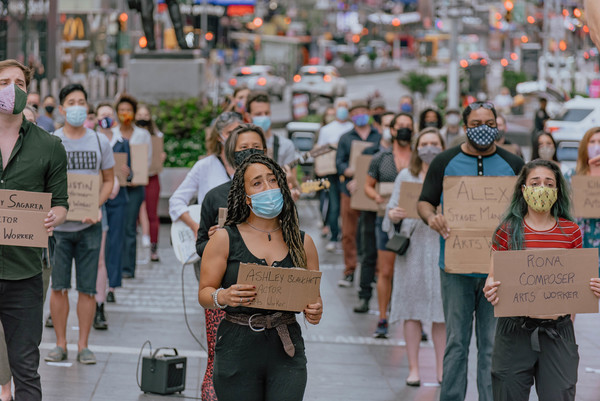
<point>344,361</point>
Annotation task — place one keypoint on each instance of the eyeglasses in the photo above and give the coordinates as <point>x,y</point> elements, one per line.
<point>477,105</point>
<point>228,116</point>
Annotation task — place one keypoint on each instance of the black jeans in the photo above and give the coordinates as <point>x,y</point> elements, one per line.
<point>253,366</point>
<point>21,315</point>
<point>368,258</point>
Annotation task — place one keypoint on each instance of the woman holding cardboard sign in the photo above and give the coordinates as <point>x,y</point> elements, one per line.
<point>538,217</point>
<point>259,352</point>
<point>415,295</point>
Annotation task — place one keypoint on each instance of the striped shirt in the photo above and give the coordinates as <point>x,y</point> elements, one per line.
<point>564,234</point>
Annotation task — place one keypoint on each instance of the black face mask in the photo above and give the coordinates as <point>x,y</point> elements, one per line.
<point>242,155</point>
<point>49,109</point>
<point>404,135</point>
<point>377,118</point>
<point>143,123</point>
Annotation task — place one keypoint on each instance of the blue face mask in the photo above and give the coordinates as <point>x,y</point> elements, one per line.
<point>341,113</point>
<point>267,204</point>
<point>76,115</point>
<point>406,108</point>
<point>263,122</point>
<point>360,120</point>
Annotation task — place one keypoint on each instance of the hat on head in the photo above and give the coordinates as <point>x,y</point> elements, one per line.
<point>358,103</point>
<point>377,102</point>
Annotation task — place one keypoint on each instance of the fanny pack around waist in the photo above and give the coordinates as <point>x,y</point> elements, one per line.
<point>257,323</point>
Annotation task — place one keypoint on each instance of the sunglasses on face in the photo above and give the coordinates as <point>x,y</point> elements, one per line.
<point>229,115</point>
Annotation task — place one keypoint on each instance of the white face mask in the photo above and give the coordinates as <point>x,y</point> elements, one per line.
<point>453,119</point>
<point>546,152</point>
<point>387,134</point>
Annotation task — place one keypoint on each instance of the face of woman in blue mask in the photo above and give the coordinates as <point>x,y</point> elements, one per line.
<point>263,195</point>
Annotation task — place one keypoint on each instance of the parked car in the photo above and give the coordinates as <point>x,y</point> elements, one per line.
<point>319,80</point>
<point>578,116</point>
<point>258,77</point>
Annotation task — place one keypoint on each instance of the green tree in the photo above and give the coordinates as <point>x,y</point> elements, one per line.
<point>417,83</point>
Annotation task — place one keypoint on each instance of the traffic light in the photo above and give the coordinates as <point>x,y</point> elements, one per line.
<point>508,5</point>
<point>123,17</point>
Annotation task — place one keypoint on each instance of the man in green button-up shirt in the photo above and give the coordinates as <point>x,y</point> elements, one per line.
<point>32,160</point>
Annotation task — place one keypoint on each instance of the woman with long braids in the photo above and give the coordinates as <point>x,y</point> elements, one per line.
<point>535,347</point>
<point>255,362</point>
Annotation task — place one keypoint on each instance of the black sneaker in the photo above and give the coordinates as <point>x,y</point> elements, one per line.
<point>100,319</point>
<point>362,307</point>
<point>110,297</point>
<point>346,281</point>
<point>49,322</point>
<point>424,337</point>
<point>382,329</point>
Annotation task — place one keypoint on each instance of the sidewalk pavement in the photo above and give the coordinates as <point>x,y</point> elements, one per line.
<point>344,361</point>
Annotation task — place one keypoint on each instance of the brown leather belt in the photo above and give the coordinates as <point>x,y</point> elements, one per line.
<point>277,321</point>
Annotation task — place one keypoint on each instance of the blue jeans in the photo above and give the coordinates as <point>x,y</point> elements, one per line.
<point>463,299</point>
<point>115,213</point>
<point>136,197</point>
<point>84,247</point>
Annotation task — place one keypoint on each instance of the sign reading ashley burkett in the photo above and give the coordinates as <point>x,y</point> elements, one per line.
<point>545,281</point>
<point>22,215</point>
<point>286,289</point>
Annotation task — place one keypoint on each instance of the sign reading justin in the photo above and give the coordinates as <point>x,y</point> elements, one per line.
<point>22,215</point>
<point>84,196</point>
<point>586,196</point>
<point>287,289</point>
<point>545,281</point>
<point>473,207</point>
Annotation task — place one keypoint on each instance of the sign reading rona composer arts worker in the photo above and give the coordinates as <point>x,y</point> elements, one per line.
<point>545,281</point>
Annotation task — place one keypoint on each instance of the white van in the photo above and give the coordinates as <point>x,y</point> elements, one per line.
<point>578,116</point>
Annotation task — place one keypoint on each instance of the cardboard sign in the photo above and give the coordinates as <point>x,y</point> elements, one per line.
<point>158,147</point>
<point>120,164</point>
<point>286,289</point>
<point>222,217</point>
<point>139,164</point>
<point>356,150</point>
<point>586,196</point>
<point>359,199</point>
<point>384,189</point>
<point>325,164</point>
<point>468,251</point>
<point>476,202</point>
<point>84,196</point>
<point>409,197</point>
<point>545,281</point>
<point>22,215</point>
<point>473,207</point>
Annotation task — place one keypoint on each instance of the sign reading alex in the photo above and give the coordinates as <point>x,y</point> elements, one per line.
<point>473,207</point>
<point>287,289</point>
<point>545,281</point>
<point>22,217</point>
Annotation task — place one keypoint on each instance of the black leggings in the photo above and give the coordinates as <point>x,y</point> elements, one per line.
<point>515,364</point>
<point>253,366</point>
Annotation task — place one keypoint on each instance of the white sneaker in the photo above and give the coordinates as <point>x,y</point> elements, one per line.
<point>331,246</point>
<point>146,241</point>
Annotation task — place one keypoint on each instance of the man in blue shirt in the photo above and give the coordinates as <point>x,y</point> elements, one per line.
<point>462,295</point>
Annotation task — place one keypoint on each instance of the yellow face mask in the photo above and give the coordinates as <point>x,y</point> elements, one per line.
<point>540,199</point>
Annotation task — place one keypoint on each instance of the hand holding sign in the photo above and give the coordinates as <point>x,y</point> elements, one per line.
<point>595,286</point>
<point>438,223</point>
<point>237,295</point>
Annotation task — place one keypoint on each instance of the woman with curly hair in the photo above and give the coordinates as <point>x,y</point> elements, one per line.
<point>540,348</point>
<point>262,227</point>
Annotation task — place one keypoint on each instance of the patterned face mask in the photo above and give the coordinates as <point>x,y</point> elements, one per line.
<point>540,199</point>
<point>482,137</point>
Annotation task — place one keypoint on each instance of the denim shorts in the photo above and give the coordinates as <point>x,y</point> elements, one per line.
<point>104,219</point>
<point>84,247</point>
<point>381,237</point>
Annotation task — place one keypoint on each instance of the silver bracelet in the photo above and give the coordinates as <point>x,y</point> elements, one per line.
<point>215,299</point>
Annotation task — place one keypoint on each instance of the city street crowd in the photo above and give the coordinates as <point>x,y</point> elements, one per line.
<point>251,172</point>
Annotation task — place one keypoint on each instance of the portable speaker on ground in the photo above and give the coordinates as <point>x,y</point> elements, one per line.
<point>163,374</point>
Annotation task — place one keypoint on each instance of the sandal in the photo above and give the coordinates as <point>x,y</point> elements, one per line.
<point>57,354</point>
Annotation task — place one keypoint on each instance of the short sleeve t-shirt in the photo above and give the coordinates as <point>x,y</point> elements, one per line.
<point>565,234</point>
<point>86,155</point>
<point>383,167</point>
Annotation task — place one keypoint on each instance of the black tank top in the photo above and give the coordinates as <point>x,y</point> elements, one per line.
<point>239,253</point>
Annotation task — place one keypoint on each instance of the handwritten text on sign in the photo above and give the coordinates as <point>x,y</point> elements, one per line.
<point>476,202</point>
<point>22,217</point>
<point>287,289</point>
<point>84,194</point>
<point>586,196</point>
<point>409,196</point>
<point>468,251</point>
<point>545,281</point>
